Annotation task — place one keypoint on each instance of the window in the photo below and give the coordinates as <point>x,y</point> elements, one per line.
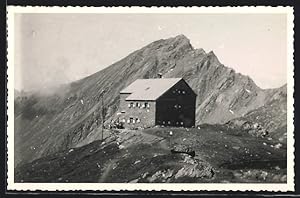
<point>130,120</point>
<point>145,104</point>
<point>169,122</point>
<point>130,105</point>
<point>181,123</point>
<point>137,120</point>
<point>163,122</point>
<point>177,106</point>
<point>123,120</point>
<point>137,104</point>
<point>179,91</point>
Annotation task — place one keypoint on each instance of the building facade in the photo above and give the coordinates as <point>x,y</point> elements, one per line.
<point>163,101</point>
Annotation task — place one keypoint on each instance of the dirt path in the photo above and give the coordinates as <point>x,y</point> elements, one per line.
<point>109,167</point>
<point>164,144</point>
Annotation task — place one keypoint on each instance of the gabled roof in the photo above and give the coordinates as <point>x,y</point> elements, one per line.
<point>149,89</point>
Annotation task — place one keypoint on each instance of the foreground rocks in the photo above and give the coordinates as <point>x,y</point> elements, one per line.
<point>145,157</point>
<point>261,175</point>
<point>183,149</point>
<point>252,128</point>
<point>191,169</point>
<point>195,168</point>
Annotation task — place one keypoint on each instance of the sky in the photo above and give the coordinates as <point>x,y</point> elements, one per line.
<point>53,49</point>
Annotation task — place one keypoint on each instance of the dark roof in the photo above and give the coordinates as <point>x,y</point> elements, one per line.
<point>149,89</point>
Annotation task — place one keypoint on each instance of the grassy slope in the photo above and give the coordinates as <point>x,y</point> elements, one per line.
<point>231,154</point>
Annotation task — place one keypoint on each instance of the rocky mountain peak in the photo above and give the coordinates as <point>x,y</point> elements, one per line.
<point>214,59</point>
<point>180,37</point>
<point>61,121</point>
<point>179,40</point>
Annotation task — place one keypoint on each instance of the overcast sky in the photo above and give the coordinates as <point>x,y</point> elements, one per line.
<point>51,49</point>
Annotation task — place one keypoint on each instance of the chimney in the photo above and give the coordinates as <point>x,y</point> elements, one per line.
<point>159,75</point>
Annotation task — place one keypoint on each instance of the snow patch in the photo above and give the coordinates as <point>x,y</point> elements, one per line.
<point>248,90</point>
<point>278,146</point>
<point>138,161</point>
<point>231,111</point>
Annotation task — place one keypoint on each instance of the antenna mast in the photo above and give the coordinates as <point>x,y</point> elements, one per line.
<point>102,114</point>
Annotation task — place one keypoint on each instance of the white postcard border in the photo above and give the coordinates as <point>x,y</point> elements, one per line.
<point>289,186</point>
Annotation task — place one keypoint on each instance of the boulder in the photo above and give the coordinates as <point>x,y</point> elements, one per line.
<point>246,126</point>
<point>195,168</point>
<point>161,176</point>
<point>198,170</point>
<point>183,149</point>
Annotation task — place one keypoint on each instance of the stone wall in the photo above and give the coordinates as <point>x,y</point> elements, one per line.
<point>134,114</point>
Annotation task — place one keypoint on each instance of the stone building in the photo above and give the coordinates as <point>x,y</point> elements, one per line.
<point>161,101</point>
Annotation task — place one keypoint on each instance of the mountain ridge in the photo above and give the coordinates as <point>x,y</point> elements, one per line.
<point>69,116</point>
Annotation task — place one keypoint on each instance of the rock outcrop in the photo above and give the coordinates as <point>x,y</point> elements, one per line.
<point>268,120</point>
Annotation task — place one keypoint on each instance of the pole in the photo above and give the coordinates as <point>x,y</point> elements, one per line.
<point>170,143</point>
<point>102,113</point>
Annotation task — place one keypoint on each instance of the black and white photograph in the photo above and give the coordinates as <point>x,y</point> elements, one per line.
<point>150,98</point>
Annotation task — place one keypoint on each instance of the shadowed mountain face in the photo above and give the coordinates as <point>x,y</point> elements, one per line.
<point>70,116</point>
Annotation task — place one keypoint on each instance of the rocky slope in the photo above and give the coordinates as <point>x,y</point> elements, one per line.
<point>221,155</point>
<point>52,120</point>
<point>271,118</point>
